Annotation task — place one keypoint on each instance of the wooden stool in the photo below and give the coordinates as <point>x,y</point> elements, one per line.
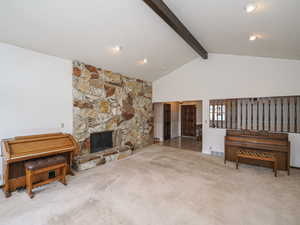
<point>39,166</point>
<point>263,156</point>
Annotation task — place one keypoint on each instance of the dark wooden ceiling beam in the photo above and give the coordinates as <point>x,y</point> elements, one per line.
<point>170,18</point>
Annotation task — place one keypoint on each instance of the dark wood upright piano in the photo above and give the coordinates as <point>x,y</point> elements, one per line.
<point>18,150</point>
<point>260,141</point>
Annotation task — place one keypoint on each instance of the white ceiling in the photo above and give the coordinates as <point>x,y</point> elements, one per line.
<point>86,31</point>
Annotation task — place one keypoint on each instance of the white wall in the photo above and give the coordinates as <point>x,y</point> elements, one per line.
<point>229,76</point>
<point>35,93</point>
<point>159,121</point>
<point>175,119</point>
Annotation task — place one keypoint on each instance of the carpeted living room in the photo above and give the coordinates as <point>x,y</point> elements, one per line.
<point>150,112</point>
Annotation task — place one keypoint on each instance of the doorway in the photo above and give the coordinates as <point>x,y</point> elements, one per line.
<point>178,124</point>
<point>167,121</point>
<point>188,120</point>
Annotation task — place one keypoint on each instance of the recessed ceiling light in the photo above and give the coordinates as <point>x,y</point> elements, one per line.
<point>250,7</point>
<point>252,38</point>
<point>117,49</point>
<point>143,61</point>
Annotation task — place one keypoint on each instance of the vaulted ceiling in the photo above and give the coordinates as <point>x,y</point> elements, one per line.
<point>88,30</point>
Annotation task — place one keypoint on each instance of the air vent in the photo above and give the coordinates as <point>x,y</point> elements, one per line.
<point>219,154</point>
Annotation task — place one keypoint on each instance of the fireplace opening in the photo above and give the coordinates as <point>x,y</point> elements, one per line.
<point>101,141</point>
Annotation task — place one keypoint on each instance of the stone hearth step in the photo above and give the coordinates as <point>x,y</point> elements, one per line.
<point>95,159</point>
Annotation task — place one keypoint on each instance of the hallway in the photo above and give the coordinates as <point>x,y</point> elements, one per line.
<point>184,143</point>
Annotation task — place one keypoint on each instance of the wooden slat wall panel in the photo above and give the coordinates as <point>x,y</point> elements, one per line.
<point>236,114</point>
<point>275,114</point>
<point>217,114</point>
<point>251,114</point>
<point>221,114</point>
<point>241,113</point>
<point>296,116</point>
<point>257,115</point>
<point>246,115</point>
<point>226,114</point>
<point>269,115</point>
<point>282,114</point>
<point>231,113</point>
<point>288,115</point>
<point>263,116</point>
<point>213,116</point>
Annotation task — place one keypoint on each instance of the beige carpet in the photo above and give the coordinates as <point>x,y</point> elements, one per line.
<point>162,186</point>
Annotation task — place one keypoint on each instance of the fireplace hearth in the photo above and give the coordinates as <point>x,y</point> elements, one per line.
<point>101,141</point>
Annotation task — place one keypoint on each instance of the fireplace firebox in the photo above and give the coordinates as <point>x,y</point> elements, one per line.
<point>101,141</point>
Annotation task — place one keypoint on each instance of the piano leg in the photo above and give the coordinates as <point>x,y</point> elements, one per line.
<point>63,174</point>
<point>29,183</point>
<point>6,190</point>
<point>70,171</point>
<point>237,162</point>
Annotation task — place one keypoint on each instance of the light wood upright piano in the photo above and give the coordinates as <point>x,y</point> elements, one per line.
<point>18,150</point>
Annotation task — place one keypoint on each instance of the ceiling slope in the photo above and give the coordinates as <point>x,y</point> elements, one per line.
<point>224,27</point>
<point>88,30</point>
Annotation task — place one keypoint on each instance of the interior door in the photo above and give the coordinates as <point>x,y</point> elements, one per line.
<point>167,121</point>
<point>188,120</point>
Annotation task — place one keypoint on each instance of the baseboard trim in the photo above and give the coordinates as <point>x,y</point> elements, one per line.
<point>294,167</point>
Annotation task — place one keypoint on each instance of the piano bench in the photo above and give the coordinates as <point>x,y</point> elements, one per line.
<point>34,168</point>
<point>262,156</point>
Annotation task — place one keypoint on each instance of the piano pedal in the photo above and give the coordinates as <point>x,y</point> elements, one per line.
<point>51,174</point>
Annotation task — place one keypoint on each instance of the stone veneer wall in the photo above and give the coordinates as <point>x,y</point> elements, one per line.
<point>104,101</point>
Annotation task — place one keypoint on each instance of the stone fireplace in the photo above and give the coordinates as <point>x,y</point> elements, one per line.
<point>111,104</point>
